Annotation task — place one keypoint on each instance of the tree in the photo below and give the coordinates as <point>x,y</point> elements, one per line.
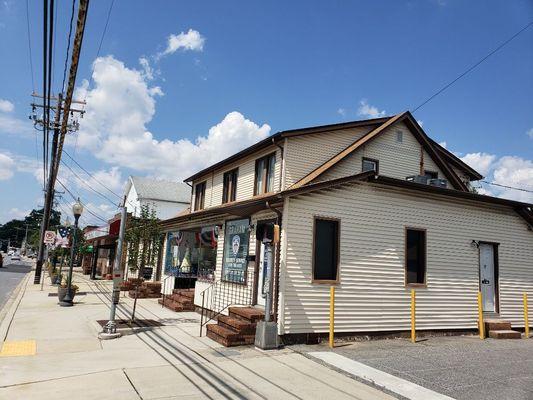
<point>143,240</point>
<point>15,230</point>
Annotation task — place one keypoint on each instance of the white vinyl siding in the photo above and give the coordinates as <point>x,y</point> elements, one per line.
<point>371,295</point>
<point>307,152</point>
<point>396,160</point>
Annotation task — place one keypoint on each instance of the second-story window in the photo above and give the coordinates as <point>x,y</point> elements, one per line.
<point>229,192</point>
<point>264,174</point>
<point>199,196</point>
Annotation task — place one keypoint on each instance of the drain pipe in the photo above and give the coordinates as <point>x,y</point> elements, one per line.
<point>276,264</point>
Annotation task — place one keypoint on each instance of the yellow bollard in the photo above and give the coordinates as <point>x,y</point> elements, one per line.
<point>480,314</point>
<point>413,316</point>
<point>331,316</point>
<point>526,317</point>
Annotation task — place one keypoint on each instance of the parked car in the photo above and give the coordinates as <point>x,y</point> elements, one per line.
<point>15,257</point>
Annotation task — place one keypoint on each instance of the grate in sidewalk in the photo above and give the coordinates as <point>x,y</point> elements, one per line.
<point>138,323</point>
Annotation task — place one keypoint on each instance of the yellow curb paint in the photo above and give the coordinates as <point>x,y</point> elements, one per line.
<point>18,348</point>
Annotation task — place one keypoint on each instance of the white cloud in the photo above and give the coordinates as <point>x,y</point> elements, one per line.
<point>342,112</point>
<point>530,133</point>
<point>443,144</point>
<point>7,165</point>
<point>481,162</point>
<point>192,40</point>
<point>6,106</point>
<point>368,111</point>
<point>511,171</point>
<point>114,128</point>
<point>16,213</point>
<point>148,71</point>
<point>111,178</point>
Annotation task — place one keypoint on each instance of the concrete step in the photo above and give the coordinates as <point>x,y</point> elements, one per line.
<point>504,334</point>
<point>249,314</point>
<point>493,324</point>
<point>237,324</point>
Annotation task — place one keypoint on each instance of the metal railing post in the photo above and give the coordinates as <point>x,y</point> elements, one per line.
<point>480,315</point>
<point>413,316</point>
<point>332,316</point>
<point>526,317</point>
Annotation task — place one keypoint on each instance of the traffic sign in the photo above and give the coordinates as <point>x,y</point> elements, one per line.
<point>49,237</point>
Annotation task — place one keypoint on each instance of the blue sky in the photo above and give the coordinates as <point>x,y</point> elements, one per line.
<point>231,73</point>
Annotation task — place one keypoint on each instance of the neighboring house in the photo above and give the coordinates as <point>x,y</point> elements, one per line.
<point>375,208</point>
<point>166,197</point>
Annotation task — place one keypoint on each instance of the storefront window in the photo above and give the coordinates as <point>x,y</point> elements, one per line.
<point>236,240</point>
<point>192,253</point>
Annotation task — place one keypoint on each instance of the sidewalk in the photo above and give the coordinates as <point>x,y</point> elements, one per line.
<point>67,360</point>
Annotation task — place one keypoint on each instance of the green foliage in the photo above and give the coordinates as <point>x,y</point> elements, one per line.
<point>16,228</point>
<point>143,239</point>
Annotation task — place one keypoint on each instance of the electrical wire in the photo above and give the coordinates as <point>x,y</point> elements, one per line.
<point>100,43</point>
<point>507,187</point>
<point>68,45</point>
<point>87,185</point>
<point>84,204</point>
<point>29,45</point>
<point>45,54</point>
<point>472,67</point>
<point>92,176</point>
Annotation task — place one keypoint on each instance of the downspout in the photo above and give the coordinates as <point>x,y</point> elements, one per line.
<point>190,203</point>
<point>282,169</point>
<point>276,265</point>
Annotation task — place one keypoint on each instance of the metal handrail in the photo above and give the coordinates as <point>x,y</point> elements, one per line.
<point>163,288</point>
<point>224,293</point>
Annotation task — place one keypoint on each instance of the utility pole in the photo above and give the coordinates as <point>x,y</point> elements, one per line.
<point>110,329</point>
<point>60,130</point>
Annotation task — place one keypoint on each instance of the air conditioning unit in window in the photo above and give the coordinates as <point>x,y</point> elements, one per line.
<point>418,179</point>
<point>438,182</point>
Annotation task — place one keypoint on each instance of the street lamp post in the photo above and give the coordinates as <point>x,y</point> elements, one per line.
<point>67,225</point>
<point>77,209</point>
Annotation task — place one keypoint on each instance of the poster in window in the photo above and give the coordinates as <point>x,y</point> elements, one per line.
<point>236,239</point>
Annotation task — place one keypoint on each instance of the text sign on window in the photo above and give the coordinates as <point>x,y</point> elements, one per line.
<point>236,239</point>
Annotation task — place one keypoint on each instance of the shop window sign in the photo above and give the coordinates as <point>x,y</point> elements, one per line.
<point>236,241</point>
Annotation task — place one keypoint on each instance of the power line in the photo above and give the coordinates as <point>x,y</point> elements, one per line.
<point>84,204</point>
<point>92,176</point>
<point>68,45</point>
<point>89,186</point>
<point>45,54</point>
<point>29,45</point>
<point>507,187</point>
<point>473,66</point>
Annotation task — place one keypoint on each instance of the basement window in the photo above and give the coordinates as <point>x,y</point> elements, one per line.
<point>415,256</point>
<point>326,250</point>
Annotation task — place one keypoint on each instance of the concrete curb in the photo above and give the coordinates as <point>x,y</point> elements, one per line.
<point>8,311</point>
<point>349,375</point>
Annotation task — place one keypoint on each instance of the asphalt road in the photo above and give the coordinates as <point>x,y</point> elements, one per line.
<point>10,276</point>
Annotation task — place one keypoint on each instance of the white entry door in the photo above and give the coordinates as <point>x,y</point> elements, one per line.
<point>261,276</point>
<point>487,277</point>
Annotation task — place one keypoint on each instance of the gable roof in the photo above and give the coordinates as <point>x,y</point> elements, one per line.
<point>273,139</point>
<point>152,189</point>
<point>457,162</point>
<point>417,131</point>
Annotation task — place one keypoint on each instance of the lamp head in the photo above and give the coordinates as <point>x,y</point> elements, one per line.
<point>77,208</point>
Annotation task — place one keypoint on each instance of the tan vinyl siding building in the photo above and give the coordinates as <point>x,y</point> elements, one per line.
<point>306,152</point>
<point>397,159</point>
<point>245,178</point>
<point>371,295</point>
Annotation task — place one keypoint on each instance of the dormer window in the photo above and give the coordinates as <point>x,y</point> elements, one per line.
<point>370,164</point>
<point>264,174</point>
<point>199,196</point>
<point>229,192</point>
